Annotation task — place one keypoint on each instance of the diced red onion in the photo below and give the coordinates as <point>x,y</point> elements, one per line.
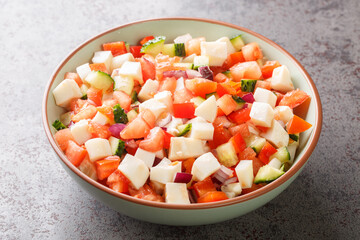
<point>156,161</point>
<point>192,74</point>
<point>183,177</point>
<point>175,73</point>
<point>116,128</point>
<point>230,180</point>
<point>164,121</point>
<point>192,197</point>
<point>248,98</point>
<point>206,72</point>
<point>245,106</point>
<point>223,174</point>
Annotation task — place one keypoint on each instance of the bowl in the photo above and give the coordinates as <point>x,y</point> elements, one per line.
<point>178,214</point>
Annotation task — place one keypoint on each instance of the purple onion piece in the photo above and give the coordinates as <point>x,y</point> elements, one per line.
<point>175,73</point>
<point>230,180</point>
<point>248,98</point>
<point>206,72</point>
<point>245,106</point>
<point>116,128</point>
<point>183,177</point>
<point>193,74</point>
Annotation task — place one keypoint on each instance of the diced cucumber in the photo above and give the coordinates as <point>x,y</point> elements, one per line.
<point>294,137</point>
<point>174,49</point>
<point>184,65</point>
<point>127,46</point>
<point>239,101</point>
<point>227,154</point>
<point>286,166</point>
<point>84,88</point>
<point>201,61</point>
<point>100,80</point>
<point>267,174</point>
<point>117,146</point>
<point>227,73</point>
<point>211,94</point>
<point>153,46</point>
<point>292,150</point>
<point>197,101</point>
<point>282,154</point>
<point>275,163</point>
<point>184,129</point>
<point>180,49</point>
<point>84,97</point>
<point>124,83</point>
<point>237,42</point>
<point>58,125</point>
<point>248,85</point>
<point>119,114</point>
<point>258,144</point>
<point>131,115</point>
<point>133,96</point>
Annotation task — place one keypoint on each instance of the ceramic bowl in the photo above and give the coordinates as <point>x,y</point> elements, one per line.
<point>176,214</point>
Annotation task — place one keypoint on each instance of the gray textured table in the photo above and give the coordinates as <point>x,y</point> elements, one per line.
<point>39,200</point>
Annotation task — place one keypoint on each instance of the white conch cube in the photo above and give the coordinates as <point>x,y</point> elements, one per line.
<point>98,148</point>
<point>261,114</point>
<point>65,92</point>
<point>135,170</point>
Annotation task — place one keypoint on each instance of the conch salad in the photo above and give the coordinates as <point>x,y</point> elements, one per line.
<point>185,122</point>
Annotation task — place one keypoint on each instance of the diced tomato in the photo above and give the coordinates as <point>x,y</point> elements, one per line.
<point>75,77</point>
<point>253,188</point>
<point>184,110</point>
<point>148,117</point>
<point>99,131</point>
<point>266,152</point>
<point>243,129</point>
<point>182,96</point>
<point>168,84</point>
<point>239,142</point>
<point>297,125</point>
<point>106,166</point>
<point>76,105</point>
<point>154,141</point>
<point>123,99</point>
<point>221,136</point>
<point>227,104</point>
<point>221,78</point>
<point>263,84</point>
<point>219,112</point>
<point>247,154</point>
<point>62,137</point>
<point>137,128</point>
<point>147,68</point>
<point>107,111</point>
<point>193,46</point>
<point>232,59</point>
<point>240,116</point>
<point>257,164</point>
<point>262,129</point>
<point>146,39</point>
<point>213,196</point>
<point>216,69</point>
<point>87,112</point>
<point>75,153</point>
<point>251,52</point>
<point>167,140</point>
<point>201,86</point>
<point>118,182</point>
<point>294,98</point>
<point>146,193</point>
<point>203,187</point>
<point>279,96</point>
<point>135,51</point>
<point>110,103</point>
<point>246,70</point>
<point>116,48</point>
<point>95,95</point>
<point>225,88</point>
<point>268,68</point>
<point>187,164</point>
<point>99,67</point>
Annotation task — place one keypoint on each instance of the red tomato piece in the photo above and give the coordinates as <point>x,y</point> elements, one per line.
<point>167,139</point>
<point>87,112</point>
<point>297,125</point>
<point>257,164</point>
<point>239,142</point>
<point>106,166</point>
<point>118,182</point>
<point>99,67</point>
<point>123,99</point>
<point>203,187</point>
<point>221,136</point>
<point>148,117</point>
<point>247,154</point>
<point>294,98</point>
<point>193,46</point>
<point>168,84</point>
<point>135,51</point>
<point>154,141</point>
<point>201,86</point>
<point>146,193</point>
<point>116,48</point>
<point>107,111</point>
<point>75,77</point>
<point>95,95</point>
<point>227,104</point>
<point>268,68</point>
<point>246,70</point>
<point>251,52</point>
<point>147,68</point>
<point>232,59</point>
<point>243,129</point>
<point>182,96</point>
<point>263,84</point>
<point>137,128</point>
<point>187,164</point>
<point>146,39</point>
<point>184,110</point>
<point>221,78</point>
<point>266,152</point>
<point>63,137</point>
<point>225,88</point>
<point>76,105</point>
<point>99,131</point>
<point>213,196</point>
<point>240,116</point>
<point>253,188</point>
<point>75,153</point>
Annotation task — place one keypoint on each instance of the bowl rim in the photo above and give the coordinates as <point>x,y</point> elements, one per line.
<point>240,199</point>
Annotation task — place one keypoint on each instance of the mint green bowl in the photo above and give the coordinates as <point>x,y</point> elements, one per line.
<point>177,214</point>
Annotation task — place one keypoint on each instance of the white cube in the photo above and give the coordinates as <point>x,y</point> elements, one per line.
<point>66,91</point>
<point>265,96</point>
<point>135,170</point>
<point>80,131</point>
<point>261,114</point>
<point>283,113</point>
<point>181,148</point>
<point>100,119</point>
<point>204,166</point>
<point>118,61</point>
<point>165,173</point>
<point>176,193</point>
<point>207,109</point>
<point>165,97</point>
<point>132,69</point>
<point>275,163</point>
<point>281,79</point>
<point>146,156</point>
<point>189,59</point>
<point>201,130</point>
<point>232,190</point>
<point>103,57</point>
<point>149,89</point>
<point>98,148</point>
<point>183,38</point>
<point>216,51</point>
<point>83,70</point>
<point>180,84</point>
<point>201,61</point>
<point>164,162</point>
<point>245,173</point>
<point>276,135</point>
<point>156,107</point>
<point>124,83</point>
<point>230,48</point>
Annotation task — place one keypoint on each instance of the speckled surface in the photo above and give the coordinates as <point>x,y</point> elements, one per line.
<point>37,198</point>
